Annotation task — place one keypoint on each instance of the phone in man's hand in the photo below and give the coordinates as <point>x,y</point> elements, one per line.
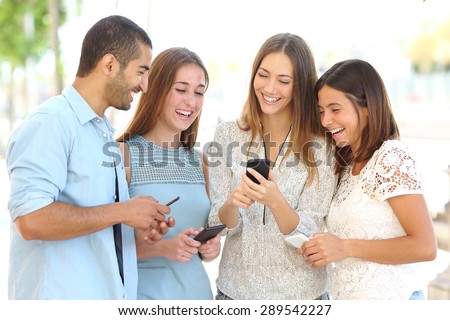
<point>209,232</point>
<point>172,201</point>
<point>262,166</point>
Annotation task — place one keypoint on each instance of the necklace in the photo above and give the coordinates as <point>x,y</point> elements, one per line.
<point>269,145</point>
<point>276,159</point>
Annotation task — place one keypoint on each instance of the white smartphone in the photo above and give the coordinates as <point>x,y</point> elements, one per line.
<point>296,240</point>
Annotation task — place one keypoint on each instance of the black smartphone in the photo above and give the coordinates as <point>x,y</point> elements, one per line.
<point>209,232</point>
<point>261,166</point>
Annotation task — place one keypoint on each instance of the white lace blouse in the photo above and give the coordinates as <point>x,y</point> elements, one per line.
<point>359,210</point>
<point>256,262</point>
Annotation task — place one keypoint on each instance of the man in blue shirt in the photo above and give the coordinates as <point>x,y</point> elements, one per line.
<point>66,172</point>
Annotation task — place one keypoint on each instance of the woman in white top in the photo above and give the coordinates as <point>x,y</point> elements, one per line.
<point>378,223</point>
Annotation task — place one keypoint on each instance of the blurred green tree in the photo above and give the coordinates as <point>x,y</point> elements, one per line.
<point>27,29</point>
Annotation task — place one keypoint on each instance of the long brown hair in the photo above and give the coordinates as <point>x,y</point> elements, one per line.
<point>161,77</point>
<point>363,86</point>
<point>305,116</point>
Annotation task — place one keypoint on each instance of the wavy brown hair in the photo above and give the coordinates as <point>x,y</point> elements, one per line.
<point>305,116</point>
<point>161,78</point>
<point>363,86</point>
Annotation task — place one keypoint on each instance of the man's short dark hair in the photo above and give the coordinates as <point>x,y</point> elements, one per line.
<point>116,35</point>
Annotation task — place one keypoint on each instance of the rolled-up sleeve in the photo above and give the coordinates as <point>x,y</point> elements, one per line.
<point>37,164</point>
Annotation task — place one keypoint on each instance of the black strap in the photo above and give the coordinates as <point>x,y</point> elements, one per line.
<point>118,231</point>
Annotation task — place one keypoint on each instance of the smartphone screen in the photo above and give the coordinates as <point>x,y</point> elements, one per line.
<point>261,166</point>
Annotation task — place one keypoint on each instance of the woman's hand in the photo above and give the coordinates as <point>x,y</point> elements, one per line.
<point>322,249</point>
<point>266,192</point>
<point>210,249</point>
<point>239,199</point>
<point>182,247</point>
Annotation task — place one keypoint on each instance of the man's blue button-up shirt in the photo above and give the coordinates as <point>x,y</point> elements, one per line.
<point>64,152</point>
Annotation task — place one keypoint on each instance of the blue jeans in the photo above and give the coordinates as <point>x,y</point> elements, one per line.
<point>417,295</point>
<point>222,296</point>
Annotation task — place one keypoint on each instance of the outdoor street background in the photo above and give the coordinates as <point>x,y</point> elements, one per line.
<point>227,35</point>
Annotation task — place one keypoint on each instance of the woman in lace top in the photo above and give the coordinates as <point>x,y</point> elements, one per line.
<point>379,225</point>
<point>280,123</point>
<point>160,161</point>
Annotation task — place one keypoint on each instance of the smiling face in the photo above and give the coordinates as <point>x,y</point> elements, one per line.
<point>273,83</point>
<point>129,81</point>
<point>184,100</point>
<point>340,117</point>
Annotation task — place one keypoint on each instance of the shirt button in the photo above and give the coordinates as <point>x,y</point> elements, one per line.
<point>104,135</point>
<point>125,296</point>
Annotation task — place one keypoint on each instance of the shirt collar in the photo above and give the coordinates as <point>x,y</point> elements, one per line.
<point>81,108</point>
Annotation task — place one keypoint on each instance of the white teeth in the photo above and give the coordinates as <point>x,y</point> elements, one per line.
<point>336,130</point>
<point>271,100</point>
<point>184,112</point>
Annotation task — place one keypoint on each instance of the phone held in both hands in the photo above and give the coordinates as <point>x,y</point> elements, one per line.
<point>209,232</point>
<point>262,166</point>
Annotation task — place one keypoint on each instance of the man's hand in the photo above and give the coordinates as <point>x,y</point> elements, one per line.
<point>144,213</point>
<point>152,235</point>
